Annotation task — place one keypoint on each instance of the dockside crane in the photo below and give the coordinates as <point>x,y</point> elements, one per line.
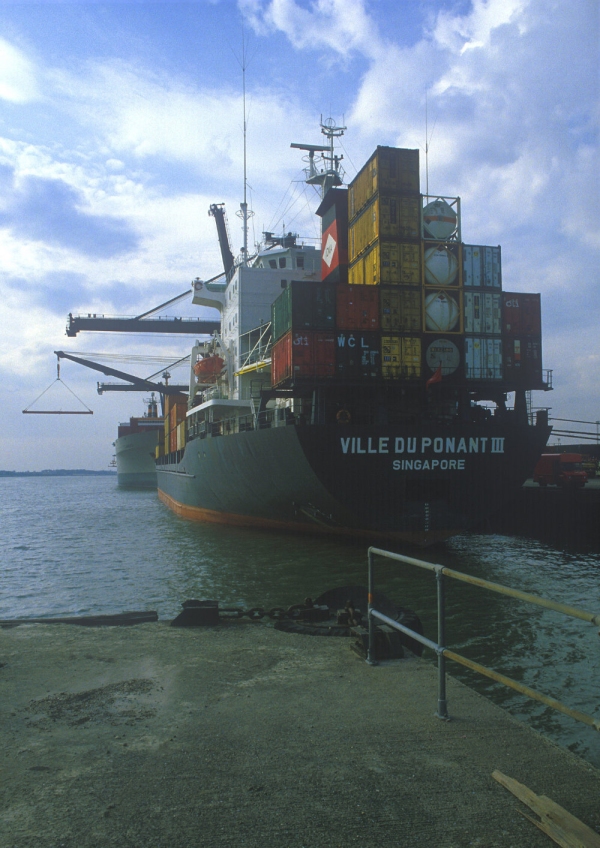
<point>144,323</point>
<point>137,383</point>
<point>217,211</point>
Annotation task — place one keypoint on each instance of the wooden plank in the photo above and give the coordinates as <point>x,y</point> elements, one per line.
<point>565,819</point>
<point>556,833</point>
<point>556,822</point>
<point>522,792</point>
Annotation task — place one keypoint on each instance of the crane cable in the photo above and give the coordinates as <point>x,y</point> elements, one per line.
<point>29,411</point>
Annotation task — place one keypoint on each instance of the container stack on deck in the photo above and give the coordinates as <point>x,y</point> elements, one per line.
<point>175,411</point>
<point>402,298</point>
<point>482,284</point>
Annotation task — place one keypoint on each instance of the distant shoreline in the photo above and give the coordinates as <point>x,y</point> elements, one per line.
<point>58,472</point>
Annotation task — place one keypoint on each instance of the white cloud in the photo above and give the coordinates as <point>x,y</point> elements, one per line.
<point>343,26</point>
<point>18,82</point>
<point>461,33</point>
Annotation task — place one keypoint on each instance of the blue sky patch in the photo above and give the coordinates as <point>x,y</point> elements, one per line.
<point>50,210</point>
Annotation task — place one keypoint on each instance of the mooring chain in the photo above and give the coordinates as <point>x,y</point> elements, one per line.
<point>296,611</point>
<point>308,611</point>
<point>276,613</point>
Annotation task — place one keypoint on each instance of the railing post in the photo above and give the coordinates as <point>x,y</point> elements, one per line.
<point>371,655</point>
<point>442,710</point>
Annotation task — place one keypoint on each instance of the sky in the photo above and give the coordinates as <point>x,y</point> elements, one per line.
<point>120,123</point>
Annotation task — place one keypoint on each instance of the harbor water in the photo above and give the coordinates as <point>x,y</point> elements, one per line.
<point>80,546</point>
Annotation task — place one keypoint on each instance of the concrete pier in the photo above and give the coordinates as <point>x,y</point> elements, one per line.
<point>241,735</point>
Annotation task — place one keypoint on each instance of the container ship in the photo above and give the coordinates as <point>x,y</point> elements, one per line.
<point>360,389</point>
<point>135,449</point>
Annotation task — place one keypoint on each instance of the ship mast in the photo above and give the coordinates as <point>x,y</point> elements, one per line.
<point>243,212</point>
<point>331,174</point>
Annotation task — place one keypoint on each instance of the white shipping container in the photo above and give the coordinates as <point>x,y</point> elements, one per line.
<point>483,358</point>
<point>483,312</point>
<point>482,266</point>
<point>492,313</point>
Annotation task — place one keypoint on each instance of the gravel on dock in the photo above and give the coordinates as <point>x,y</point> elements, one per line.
<point>241,735</point>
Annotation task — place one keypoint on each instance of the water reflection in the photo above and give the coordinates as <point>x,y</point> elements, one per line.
<point>93,548</point>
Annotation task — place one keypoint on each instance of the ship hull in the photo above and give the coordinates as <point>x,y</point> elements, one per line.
<point>415,485</point>
<point>135,455</point>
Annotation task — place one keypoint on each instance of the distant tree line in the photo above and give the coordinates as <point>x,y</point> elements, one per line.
<point>57,472</point>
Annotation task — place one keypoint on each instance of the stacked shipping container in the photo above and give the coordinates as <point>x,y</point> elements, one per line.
<point>321,331</point>
<point>416,297</point>
<point>482,282</point>
<point>384,252</point>
<point>175,412</point>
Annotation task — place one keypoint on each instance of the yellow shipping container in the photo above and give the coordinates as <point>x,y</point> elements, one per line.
<point>388,263</point>
<point>356,273</point>
<point>172,401</point>
<point>390,170</point>
<point>400,357</point>
<point>181,436</point>
<point>393,217</point>
<point>159,451</point>
<point>400,310</point>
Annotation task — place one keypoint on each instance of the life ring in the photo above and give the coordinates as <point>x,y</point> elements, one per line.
<point>343,416</point>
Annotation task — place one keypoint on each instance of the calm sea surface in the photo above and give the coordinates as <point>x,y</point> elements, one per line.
<point>80,545</point>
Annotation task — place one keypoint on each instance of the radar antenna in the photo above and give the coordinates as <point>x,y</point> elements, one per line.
<point>330,173</point>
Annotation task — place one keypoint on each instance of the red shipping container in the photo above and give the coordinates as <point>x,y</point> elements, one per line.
<point>357,307</point>
<point>324,354</point>
<point>300,355</point>
<point>173,440</point>
<point>281,360</point>
<point>523,362</point>
<point>521,314</point>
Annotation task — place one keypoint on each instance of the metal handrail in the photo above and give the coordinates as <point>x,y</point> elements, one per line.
<point>444,653</point>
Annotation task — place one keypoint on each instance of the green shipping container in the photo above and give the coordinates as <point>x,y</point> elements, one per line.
<point>303,305</point>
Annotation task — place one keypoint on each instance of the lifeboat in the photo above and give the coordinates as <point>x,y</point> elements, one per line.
<point>209,368</point>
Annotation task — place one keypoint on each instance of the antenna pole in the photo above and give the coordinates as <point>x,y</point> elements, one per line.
<point>426,150</point>
<point>244,205</point>
<point>243,211</point>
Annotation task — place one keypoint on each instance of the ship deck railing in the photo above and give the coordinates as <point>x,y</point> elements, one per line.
<point>255,346</point>
<point>241,423</point>
<point>283,416</point>
<point>443,652</point>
